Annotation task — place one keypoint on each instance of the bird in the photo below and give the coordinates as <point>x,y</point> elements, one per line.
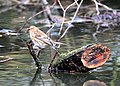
<point>41,39</point>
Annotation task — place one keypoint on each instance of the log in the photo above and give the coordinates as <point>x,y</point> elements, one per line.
<point>82,59</point>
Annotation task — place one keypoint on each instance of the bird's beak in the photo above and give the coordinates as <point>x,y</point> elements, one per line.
<point>27,30</point>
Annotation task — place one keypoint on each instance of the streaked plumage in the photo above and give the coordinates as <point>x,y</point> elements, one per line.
<point>39,38</point>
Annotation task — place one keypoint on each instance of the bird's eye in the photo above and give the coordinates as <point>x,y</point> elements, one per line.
<point>27,30</point>
<point>28,26</point>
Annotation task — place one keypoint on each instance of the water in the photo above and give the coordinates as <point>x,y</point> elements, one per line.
<point>22,71</point>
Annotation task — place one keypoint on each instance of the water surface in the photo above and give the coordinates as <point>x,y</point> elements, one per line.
<point>22,71</point>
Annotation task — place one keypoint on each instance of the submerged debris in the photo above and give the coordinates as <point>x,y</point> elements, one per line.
<point>7,32</point>
<point>82,59</point>
<point>107,19</point>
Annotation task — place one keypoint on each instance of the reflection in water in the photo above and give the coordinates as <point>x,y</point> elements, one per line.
<point>94,83</point>
<point>98,31</point>
<point>19,72</point>
<point>78,79</point>
<point>36,77</point>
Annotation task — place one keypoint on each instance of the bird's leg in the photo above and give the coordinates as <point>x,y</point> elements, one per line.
<point>32,52</point>
<point>38,53</point>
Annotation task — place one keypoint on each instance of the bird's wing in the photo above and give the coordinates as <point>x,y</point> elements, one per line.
<point>60,43</point>
<point>38,42</point>
<point>40,33</point>
<point>46,40</point>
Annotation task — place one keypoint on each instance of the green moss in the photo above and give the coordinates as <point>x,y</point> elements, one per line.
<point>62,56</point>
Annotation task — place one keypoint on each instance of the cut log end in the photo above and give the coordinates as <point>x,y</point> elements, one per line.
<point>83,59</point>
<point>95,56</point>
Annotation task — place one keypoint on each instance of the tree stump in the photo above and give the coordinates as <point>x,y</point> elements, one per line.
<point>82,59</point>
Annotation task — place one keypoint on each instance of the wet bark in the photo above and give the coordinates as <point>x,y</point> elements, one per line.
<point>33,53</point>
<point>83,59</point>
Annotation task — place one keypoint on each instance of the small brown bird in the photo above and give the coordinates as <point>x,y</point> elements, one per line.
<point>40,39</point>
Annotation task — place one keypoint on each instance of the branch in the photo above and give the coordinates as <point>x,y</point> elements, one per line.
<point>32,52</point>
<point>100,4</point>
<point>71,20</point>
<point>64,13</point>
<point>34,16</point>
<point>6,60</point>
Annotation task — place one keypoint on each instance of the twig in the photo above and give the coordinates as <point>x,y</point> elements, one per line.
<point>33,17</point>
<point>76,2</point>
<point>100,4</point>
<point>47,13</point>
<point>6,9</point>
<point>52,61</point>
<point>50,29</point>
<point>108,8</point>
<point>97,8</point>
<point>6,60</point>
<point>96,32</point>
<point>71,21</point>
<point>64,13</point>
<point>60,5</point>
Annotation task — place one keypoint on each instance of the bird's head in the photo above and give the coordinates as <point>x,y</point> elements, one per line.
<point>35,30</point>
<point>31,28</point>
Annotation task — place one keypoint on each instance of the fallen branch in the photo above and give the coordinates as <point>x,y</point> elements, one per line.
<point>82,59</point>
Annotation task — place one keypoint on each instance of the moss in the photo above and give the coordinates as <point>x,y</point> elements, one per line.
<point>62,56</point>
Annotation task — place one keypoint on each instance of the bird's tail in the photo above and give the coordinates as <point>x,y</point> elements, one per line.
<point>59,43</point>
